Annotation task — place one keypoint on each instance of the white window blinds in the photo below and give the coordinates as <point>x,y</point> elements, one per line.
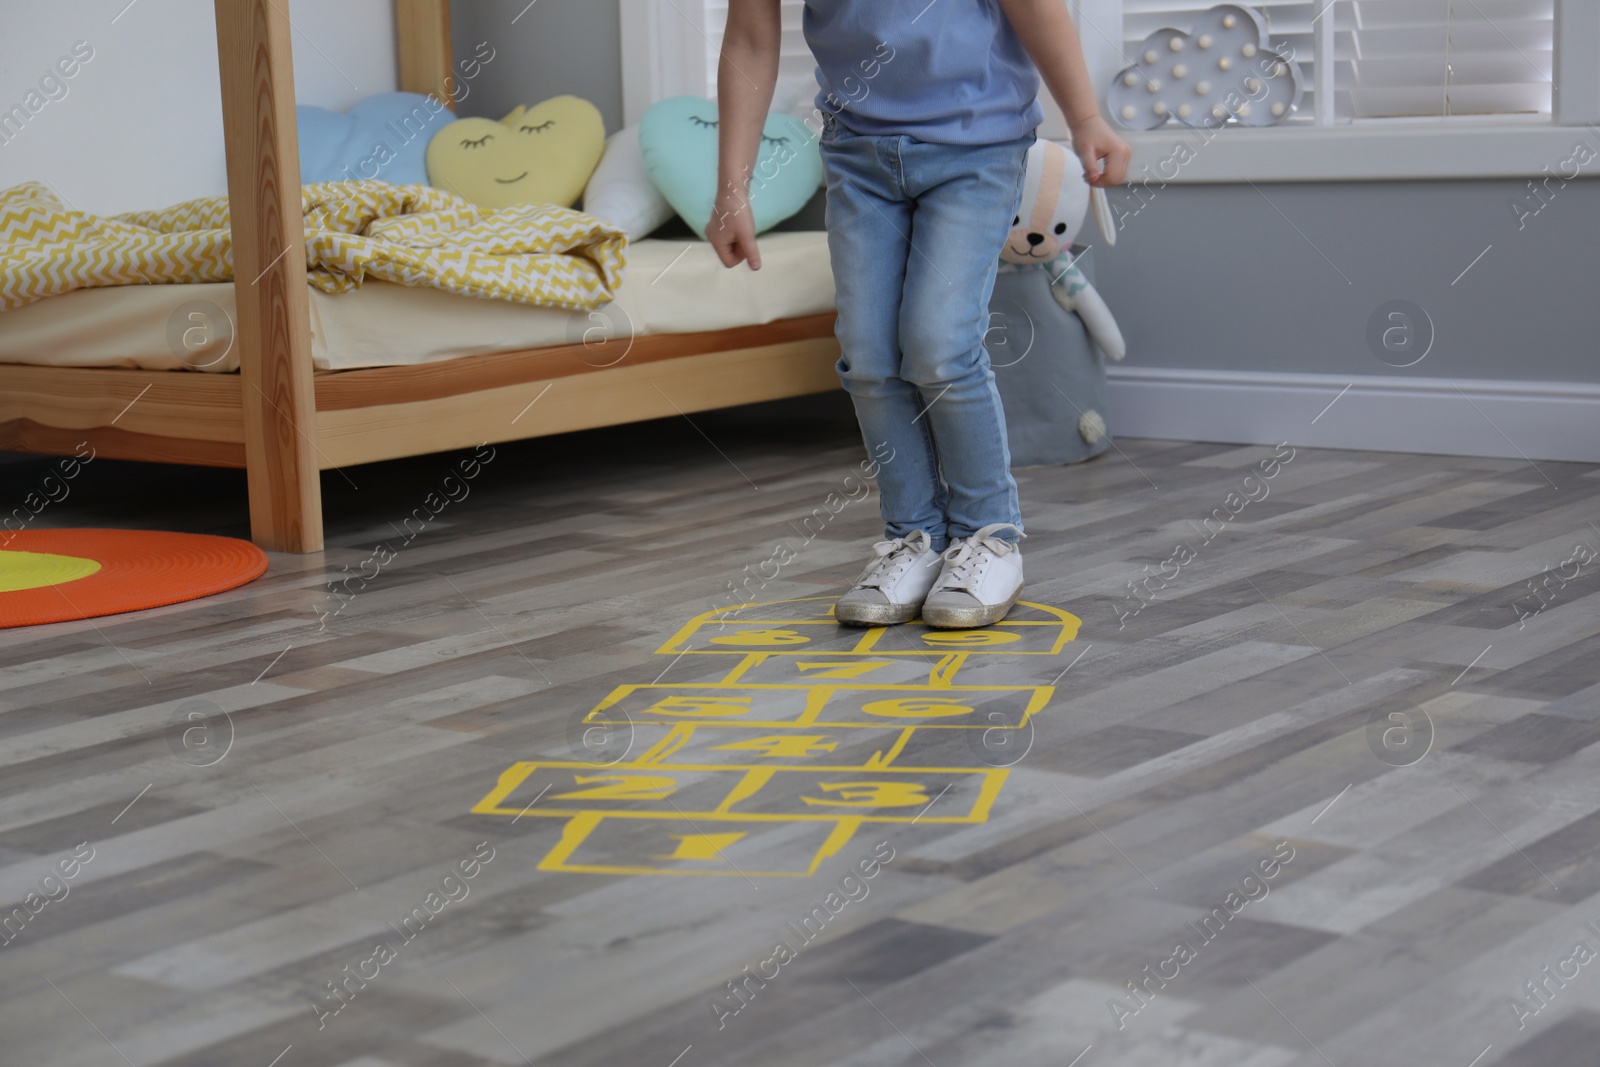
<point>1399,58</point>
<point>796,68</point>
<point>1444,57</point>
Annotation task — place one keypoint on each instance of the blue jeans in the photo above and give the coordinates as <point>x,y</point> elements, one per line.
<point>915,231</point>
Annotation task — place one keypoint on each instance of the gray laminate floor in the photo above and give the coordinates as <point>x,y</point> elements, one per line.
<point>1322,789</point>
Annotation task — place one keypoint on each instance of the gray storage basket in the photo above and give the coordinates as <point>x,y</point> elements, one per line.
<point>1052,377</point>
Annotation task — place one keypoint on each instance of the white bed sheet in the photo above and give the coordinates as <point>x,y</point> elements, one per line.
<point>669,287</point>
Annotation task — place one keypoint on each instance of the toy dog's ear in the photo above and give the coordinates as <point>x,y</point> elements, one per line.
<point>1100,207</point>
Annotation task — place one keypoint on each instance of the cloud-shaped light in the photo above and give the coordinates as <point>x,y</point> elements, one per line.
<point>1220,71</point>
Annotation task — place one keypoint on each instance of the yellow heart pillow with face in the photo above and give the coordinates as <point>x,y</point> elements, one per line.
<point>542,154</point>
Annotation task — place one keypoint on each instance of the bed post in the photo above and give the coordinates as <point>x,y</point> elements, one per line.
<point>423,50</point>
<point>269,270</point>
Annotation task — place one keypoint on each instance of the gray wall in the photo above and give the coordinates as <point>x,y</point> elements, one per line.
<point>553,47</point>
<point>1229,277</point>
<point>1216,276</point>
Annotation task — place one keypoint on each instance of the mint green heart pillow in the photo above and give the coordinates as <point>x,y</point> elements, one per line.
<point>678,137</point>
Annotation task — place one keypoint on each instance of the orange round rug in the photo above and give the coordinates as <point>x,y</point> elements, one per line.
<point>65,575</point>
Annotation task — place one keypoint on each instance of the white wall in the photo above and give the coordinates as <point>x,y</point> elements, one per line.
<point>140,125</point>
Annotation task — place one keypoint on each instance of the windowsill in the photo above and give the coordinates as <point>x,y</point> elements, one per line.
<point>1373,150</point>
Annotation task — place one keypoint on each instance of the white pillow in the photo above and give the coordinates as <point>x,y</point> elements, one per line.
<point>620,190</point>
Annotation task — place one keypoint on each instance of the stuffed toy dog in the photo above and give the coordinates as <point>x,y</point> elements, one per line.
<point>1043,315</point>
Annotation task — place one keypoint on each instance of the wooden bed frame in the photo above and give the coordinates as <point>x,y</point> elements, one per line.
<point>284,423</point>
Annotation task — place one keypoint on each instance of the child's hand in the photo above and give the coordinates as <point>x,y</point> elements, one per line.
<point>732,230</point>
<point>1095,141</point>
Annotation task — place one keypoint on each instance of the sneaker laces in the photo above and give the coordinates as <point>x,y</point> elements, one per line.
<point>891,558</point>
<point>968,558</point>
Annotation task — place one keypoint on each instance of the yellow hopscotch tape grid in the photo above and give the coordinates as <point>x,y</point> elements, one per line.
<point>942,672</point>
<point>873,706</point>
<point>904,790</point>
<point>409,234</point>
<point>763,669</point>
<point>718,633</point>
<point>650,815</point>
<point>581,828</point>
<point>784,743</point>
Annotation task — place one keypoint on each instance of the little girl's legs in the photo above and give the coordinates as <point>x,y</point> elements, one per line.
<point>915,231</point>
<point>966,197</point>
<point>869,219</point>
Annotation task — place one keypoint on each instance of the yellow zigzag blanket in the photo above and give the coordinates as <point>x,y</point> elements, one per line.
<point>410,234</point>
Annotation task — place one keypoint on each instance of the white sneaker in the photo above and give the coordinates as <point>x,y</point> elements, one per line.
<point>892,587</point>
<point>981,580</point>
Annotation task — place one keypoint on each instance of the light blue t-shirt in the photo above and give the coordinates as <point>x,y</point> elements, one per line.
<point>946,71</point>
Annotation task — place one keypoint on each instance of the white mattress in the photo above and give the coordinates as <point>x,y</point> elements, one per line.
<point>669,287</point>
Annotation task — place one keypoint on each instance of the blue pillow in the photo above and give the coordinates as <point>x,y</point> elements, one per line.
<point>384,136</point>
<point>678,137</point>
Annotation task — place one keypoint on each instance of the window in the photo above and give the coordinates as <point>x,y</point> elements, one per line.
<point>796,69</point>
<point>1394,88</point>
<point>1443,58</point>
<point>670,48</point>
<point>1397,58</point>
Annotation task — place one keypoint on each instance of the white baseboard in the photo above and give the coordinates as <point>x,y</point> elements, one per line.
<point>1476,417</point>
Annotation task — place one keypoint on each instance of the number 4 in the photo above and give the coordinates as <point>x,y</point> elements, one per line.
<point>798,746</point>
